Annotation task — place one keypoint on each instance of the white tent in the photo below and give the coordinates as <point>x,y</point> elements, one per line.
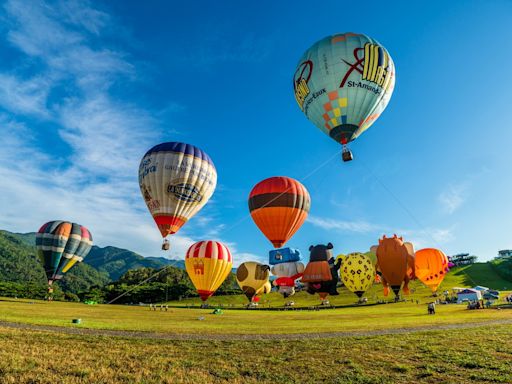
<point>468,295</point>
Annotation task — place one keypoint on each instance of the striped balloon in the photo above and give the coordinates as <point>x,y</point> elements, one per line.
<point>60,245</point>
<point>279,206</point>
<point>208,263</point>
<point>343,83</point>
<point>176,180</point>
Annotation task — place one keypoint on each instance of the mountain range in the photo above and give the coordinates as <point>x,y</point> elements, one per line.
<point>19,263</point>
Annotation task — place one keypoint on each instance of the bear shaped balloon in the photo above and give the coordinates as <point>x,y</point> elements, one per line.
<point>321,273</point>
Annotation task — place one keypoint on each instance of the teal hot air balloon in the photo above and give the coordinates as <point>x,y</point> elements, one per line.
<point>343,83</point>
<point>60,245</point>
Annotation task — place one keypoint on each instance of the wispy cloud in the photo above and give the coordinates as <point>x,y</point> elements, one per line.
<point>428,237</point>
<point>66,84</point>
<point>421,238</point>
<point>453,197</point>
<point>343,226</point>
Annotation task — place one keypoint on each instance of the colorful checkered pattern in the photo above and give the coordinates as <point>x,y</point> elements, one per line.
<point>335,110</point>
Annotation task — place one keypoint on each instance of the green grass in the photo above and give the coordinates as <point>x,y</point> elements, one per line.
<point>238,320</point>
<point>480,355</point>
<point>477,355</point>
<point>480,274</point>
<point>182,320</point>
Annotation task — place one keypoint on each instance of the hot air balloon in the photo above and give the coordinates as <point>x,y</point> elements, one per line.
<point>279,206</point>
<point>395,262</point>
<point>208,263</point>
<point>60,245</point>
<point>357,273</point>
<point>430,267</point>
<point>343,83</point>
<point>176,180</point>
<point>252,277</point>
<point>287,267</point>
<point>321,272</point>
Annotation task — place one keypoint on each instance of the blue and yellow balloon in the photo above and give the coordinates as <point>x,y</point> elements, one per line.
<point>343,83</point>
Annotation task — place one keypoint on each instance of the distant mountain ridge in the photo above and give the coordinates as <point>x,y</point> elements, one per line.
<point>116,261</point>
<point>19,263</point>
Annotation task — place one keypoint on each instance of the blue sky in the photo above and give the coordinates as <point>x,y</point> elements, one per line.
<point>87,87</point>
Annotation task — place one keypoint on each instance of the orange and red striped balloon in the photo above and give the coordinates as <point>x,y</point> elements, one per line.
<point>208,263</point>
<point>279,206</point>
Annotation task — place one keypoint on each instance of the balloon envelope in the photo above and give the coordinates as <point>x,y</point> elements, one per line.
<point>176,180</point>
<point>357,273</point>
<point>252,277</point>
<point>343,83</point>
<point>208,263</point>
<point>430,267</point>
<point>279,206</point>
<point>395,262</point>
<point>60,245</point>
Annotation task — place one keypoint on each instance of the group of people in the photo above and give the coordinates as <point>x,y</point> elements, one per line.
<point>152,307</point>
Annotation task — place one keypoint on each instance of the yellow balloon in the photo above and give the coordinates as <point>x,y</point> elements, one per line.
<point>252,277</point>
<point>357,273</point>
<point>208,263</point>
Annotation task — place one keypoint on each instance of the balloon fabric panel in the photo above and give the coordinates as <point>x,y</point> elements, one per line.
<point>343,83</point>
<point>176,180</point>
<point>431,266</point>
<point>208,263</point>
<point>279,206</point>
<point>60,245</point>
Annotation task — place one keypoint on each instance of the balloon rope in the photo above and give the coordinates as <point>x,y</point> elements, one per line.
<point>142,282</point>
<point>231,227</point>
<point>408,211</point>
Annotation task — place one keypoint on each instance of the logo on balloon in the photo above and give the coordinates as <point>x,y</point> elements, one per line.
<point>185,192</point>
<point>373,65</point>
<point>300,81</point>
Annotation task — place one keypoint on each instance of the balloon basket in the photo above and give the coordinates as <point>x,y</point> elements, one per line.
<point>346,154</point>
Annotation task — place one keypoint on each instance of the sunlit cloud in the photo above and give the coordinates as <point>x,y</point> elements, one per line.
<point>93,179</point>
<point>453,197</point>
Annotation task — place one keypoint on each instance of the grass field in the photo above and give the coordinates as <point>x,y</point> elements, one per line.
<point>480,355</point>
<point>182,320</point>
<point>474,355</point>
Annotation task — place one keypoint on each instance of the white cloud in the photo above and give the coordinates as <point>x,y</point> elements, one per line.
<point>343,226</point>
<point>93,181</point>
<point>428,237</point>
<point>24,96</point>
<point>452,197</point>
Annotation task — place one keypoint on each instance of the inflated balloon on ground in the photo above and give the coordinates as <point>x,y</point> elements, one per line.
<point>395,262</point>
<point>208,263</point>
<point>430,267</point>
<point>357,273</point>
<point>252,278</point>
<point>60,245</point>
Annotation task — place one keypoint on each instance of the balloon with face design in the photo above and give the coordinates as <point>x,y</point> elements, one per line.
<point>395,262</point>
<point>287,267</point>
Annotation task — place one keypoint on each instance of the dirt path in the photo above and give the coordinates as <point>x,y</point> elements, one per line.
<point>246,337</point>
